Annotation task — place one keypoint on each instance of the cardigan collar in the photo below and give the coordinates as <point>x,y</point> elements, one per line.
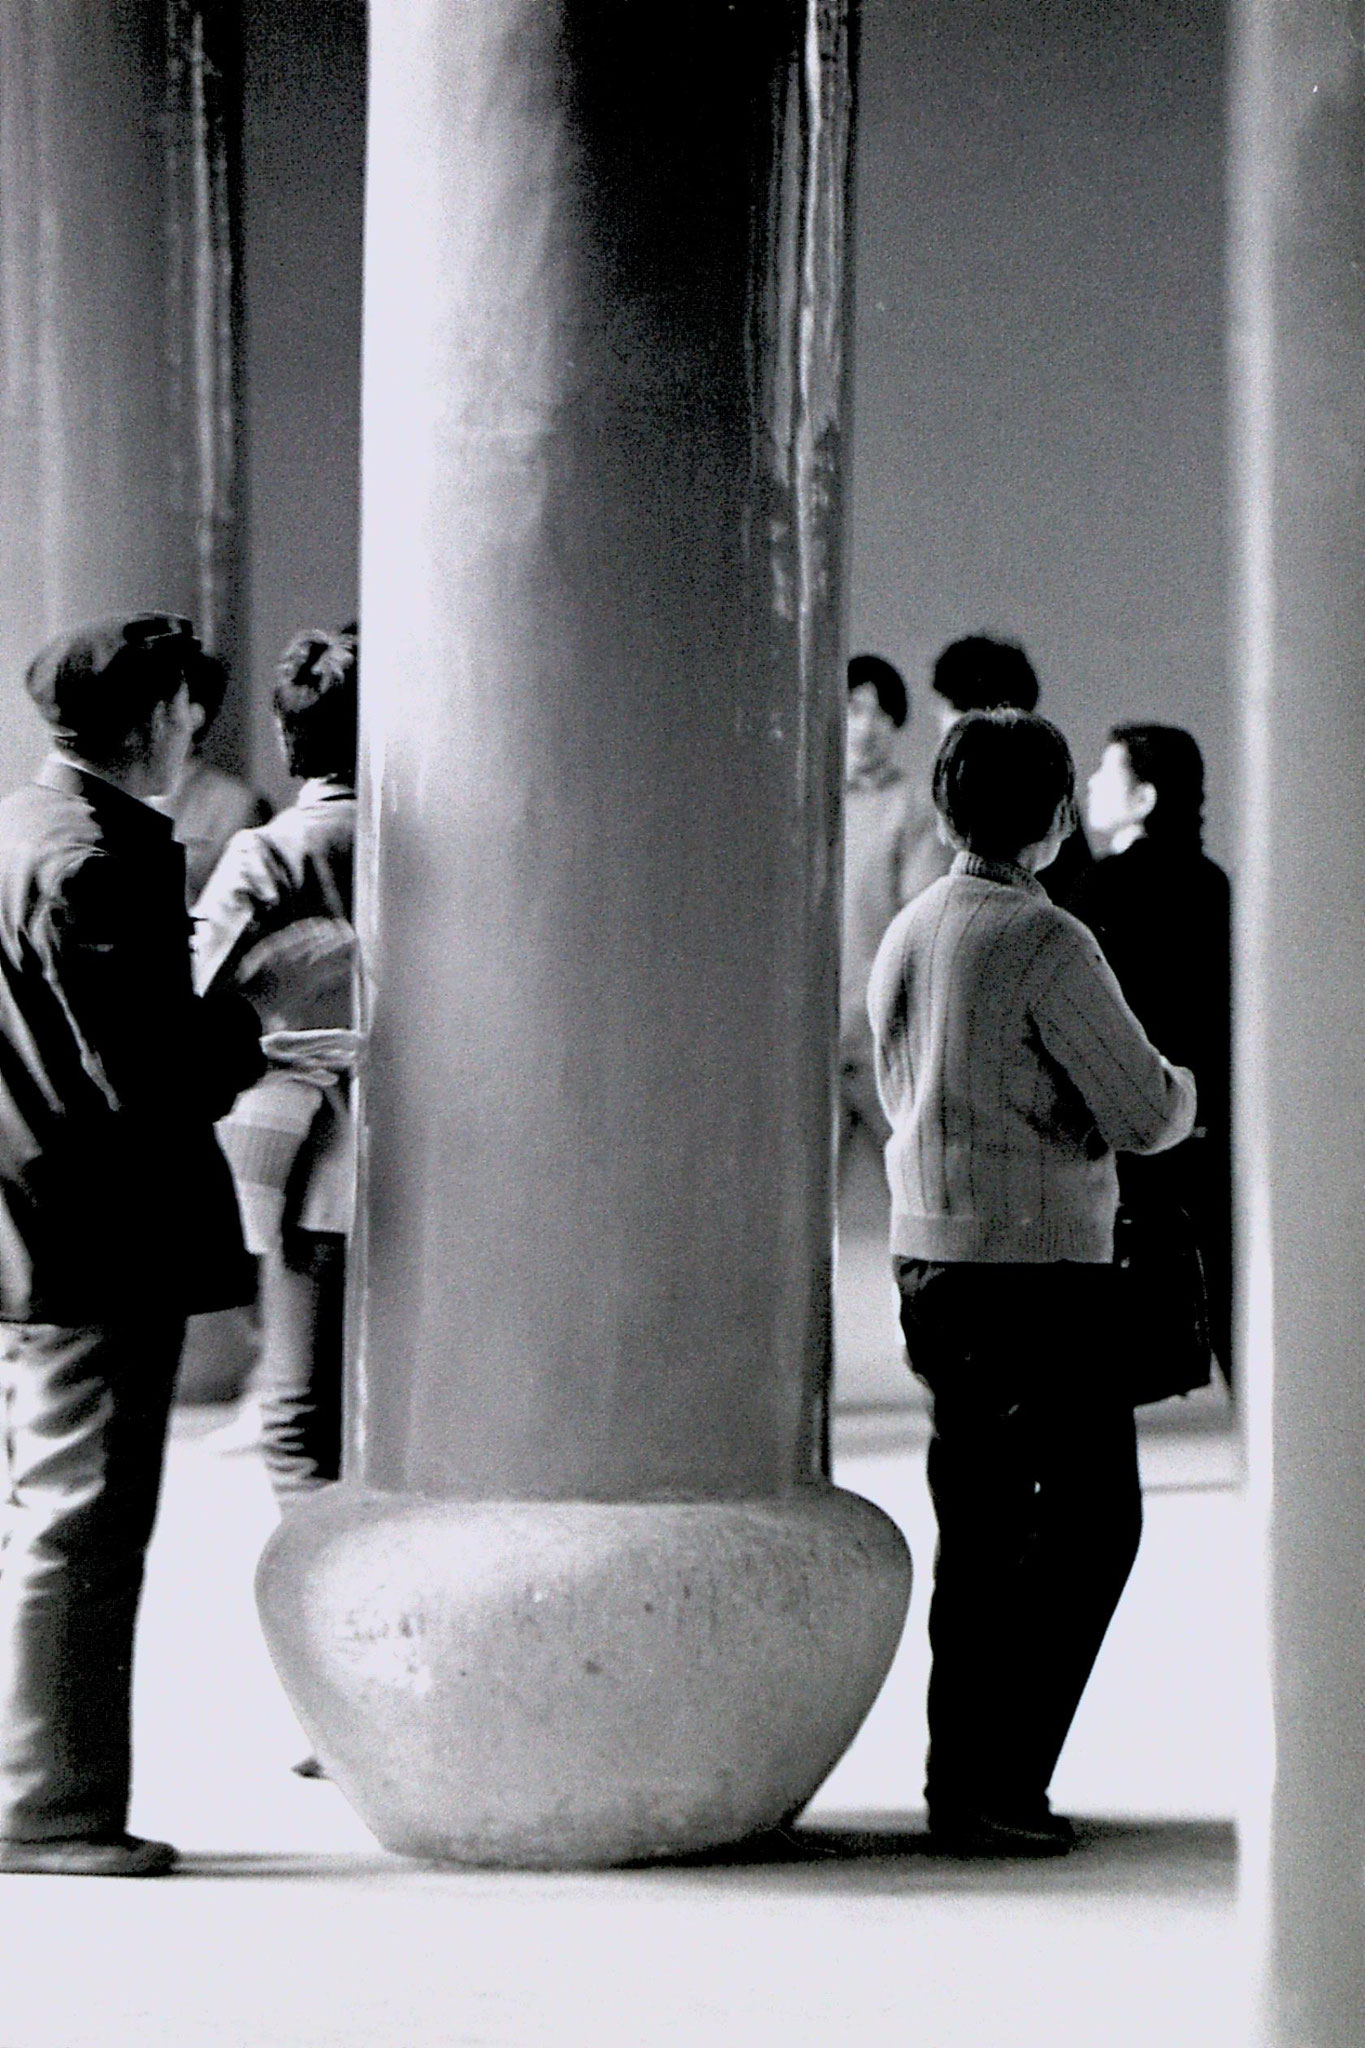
<point>1006,872</point>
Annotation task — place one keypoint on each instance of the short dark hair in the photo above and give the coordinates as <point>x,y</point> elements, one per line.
<point>316,700</point>
<point>1169,758</point>
<point>98,688</point>
<point>886,679</point>
<point>979,673</point>
<point>999,778</point>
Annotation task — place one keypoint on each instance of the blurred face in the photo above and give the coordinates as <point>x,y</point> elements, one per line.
<point>173,728</point>
<point>871,734</point>
<point>946,715</point>
<point>1115,801</point>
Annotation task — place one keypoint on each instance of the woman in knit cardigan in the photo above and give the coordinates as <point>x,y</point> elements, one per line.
<point>274,923</point>
<point>1011,1070</point>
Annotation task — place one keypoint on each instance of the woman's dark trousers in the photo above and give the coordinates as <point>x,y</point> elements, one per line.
<point>303,1289</point>
<point>1033,1474</point>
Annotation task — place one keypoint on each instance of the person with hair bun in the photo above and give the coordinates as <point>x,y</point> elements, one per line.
<point>1011,1071</point>
<point>1162,910</point>
<point>274,923</point>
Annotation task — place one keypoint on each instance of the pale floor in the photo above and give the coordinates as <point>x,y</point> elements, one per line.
<point>289,1928</point>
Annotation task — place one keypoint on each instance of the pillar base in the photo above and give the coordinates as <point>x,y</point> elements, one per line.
<point>549,1684</point>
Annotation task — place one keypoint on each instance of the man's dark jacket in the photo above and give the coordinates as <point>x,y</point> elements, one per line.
<point>114,1195</point>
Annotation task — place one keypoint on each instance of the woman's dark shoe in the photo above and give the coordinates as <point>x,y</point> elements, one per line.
<point>309,1767</point>
<point>962,1831</point>
<point>88,1856</point>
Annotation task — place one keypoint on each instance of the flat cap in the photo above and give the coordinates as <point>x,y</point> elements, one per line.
<point>104,679</point>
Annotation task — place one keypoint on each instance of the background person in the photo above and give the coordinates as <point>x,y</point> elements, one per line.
<point>1011,1070</point>
<point>205,804</point>
<point>275,924</point>
<point>982,673</point>
<point>117,1218</point>
<point>886,829</point>
<point>1162,910</point>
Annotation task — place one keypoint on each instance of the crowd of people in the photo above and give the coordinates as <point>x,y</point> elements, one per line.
<point>180,1017</point>
<point>175,1139</point>
<point>1035,1035</point>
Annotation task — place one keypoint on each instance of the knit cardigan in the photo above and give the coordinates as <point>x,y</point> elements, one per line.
<point>1011,1070</point>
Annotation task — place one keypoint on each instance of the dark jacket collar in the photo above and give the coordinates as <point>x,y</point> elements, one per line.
<point>1007,872</point>
<point>116,810</point>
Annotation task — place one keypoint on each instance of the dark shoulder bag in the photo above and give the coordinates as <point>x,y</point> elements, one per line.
<point>1163,1322</point>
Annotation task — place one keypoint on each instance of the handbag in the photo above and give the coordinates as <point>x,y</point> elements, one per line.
<point>1162,1326</point>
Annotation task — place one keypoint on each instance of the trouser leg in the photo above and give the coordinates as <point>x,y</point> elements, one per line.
<point>1082,1539</point>
<point>85,1414</point>
<point>303,1286</point>
<point>1033,1472</point>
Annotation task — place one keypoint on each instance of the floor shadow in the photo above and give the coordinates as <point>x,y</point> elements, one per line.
<point>894,1852</point>
<point>302,1867</point>
<point>873,1855</point>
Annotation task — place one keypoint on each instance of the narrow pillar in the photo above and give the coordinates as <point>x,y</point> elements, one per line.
<point>116,412</point>
<point>584,1594</point>
<point>1299,336</point>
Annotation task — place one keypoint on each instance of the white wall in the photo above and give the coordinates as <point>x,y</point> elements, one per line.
<point>1040,413</point>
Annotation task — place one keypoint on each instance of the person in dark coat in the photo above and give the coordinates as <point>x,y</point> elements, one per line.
<point>1162,911</point>
<point>117,1219</point>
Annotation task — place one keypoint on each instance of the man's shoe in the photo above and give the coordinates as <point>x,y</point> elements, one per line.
<point>959,1831</point>
<point>87,1856</point>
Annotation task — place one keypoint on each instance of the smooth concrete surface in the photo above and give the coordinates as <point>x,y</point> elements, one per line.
<point>290,1928</point>
<point>601,735</point>
<point>581,1683</point>
<point>1298,252</point>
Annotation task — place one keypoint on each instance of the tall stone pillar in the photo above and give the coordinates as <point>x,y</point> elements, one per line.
<point>116,372</point>
<point>584,1594</point>
<point>1299,335</point>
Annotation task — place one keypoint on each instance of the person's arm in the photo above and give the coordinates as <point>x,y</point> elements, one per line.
<point>242,889</point>
<point>888,1011</point>
<point>1140,1102</point>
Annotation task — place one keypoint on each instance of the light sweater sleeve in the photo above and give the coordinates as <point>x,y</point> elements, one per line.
<point>243,885</point>
<point>888,1011</point>
<point>1139,1100</point>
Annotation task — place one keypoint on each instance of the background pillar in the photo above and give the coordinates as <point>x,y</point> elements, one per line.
<point>605,392</point>
<point>116,324</point>
<point>1299,336</point>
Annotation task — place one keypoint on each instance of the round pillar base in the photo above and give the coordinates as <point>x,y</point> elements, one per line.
<point>549,1684</point>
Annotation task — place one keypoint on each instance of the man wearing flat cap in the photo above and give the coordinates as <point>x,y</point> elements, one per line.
<point>117,1220</point>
